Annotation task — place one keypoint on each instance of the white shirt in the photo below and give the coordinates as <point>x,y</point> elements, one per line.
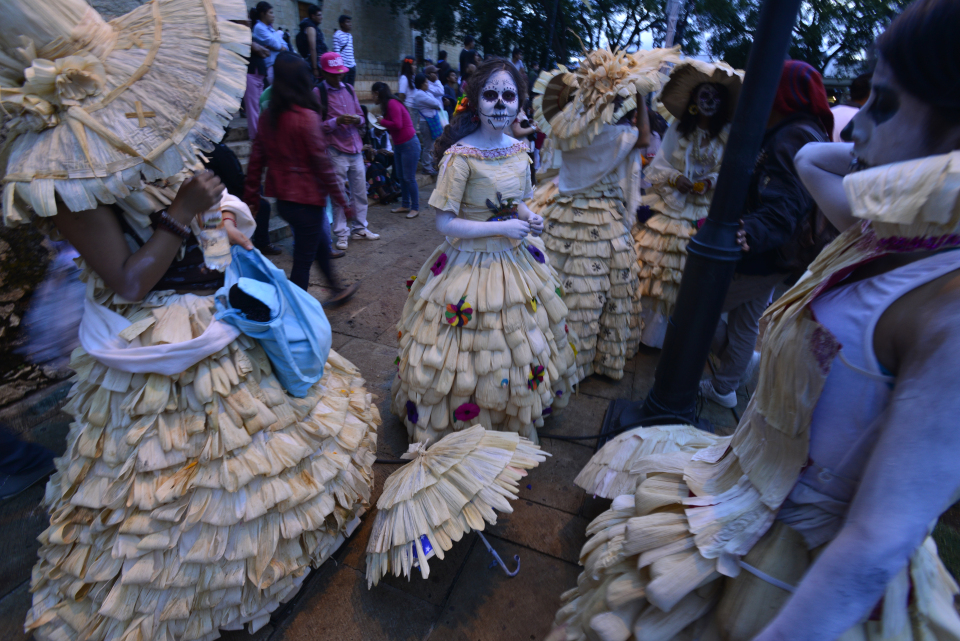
<point>343,44</point>
<point>426,103</point>
<point>436,89</point>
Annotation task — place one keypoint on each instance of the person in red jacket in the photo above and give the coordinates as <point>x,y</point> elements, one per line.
<point>292,147</point>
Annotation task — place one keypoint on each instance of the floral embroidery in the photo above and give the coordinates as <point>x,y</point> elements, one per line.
<point>504,382</point>
<point>535,377</point>
<point>502,209</point>
<point>410,282</point>
<point>459,314</point>
<point>439,265</point>
<point>825,347</point>
<point>466,412</point>
<point>487,154</point>
<point>412,415</point>
<point>536,253</point>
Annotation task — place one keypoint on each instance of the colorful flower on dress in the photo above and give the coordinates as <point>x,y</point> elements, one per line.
<point>396,361</point>
<point>559,392</point>
<point>533,304</point>
<point>547,411</point>
<point>462,105</point>
<point>504,382</point>
<point>559,292</point>
<point>412,415</point>
<point>536,253</point>
<point>399,334</point>
<point>466,412</point>
<point>535,377</point>
<point>459,314</point>
<point>410,282</point>
<point>439,265</point>
<point>503,209</point>
<point>575,352</point>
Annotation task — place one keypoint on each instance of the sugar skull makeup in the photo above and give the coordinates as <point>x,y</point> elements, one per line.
<point>708,100</point>
<point>499,102</point>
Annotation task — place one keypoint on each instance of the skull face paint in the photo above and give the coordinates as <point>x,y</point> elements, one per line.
<point>708,100</point>
<point>499,102</point>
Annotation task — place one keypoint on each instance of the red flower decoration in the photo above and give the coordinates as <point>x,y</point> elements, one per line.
<point>439,265</point>
<point>535,377</point>
<point>410,282</point>
<point>466,412</point>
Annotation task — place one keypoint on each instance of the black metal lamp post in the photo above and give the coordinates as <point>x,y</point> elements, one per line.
<point>713,253</point>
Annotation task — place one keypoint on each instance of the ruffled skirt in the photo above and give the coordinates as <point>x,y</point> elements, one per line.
<point>596,262</point>
<point>645,577</point>
<point>661,246</point>
<point>197,502</point>
<point>484,339</point>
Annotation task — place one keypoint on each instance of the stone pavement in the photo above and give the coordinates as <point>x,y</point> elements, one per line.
<point>463,599</point>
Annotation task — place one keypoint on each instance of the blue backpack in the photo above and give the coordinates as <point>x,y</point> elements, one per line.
<point>297,338</point>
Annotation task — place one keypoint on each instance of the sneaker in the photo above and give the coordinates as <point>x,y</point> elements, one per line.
<point>723,400</point>
<point>342,295</point>
<point>270,250</point>
<point>336,253</point>
<point>342,244</point>
<point>364,234</point>
<point>13,484</point>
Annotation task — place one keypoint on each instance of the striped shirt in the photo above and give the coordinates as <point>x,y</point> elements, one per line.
<point>343,44</point>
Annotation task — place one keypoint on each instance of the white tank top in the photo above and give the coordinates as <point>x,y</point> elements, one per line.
<point>856,392</point>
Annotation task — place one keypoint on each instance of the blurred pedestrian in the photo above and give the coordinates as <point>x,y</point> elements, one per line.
<point>343,44</point>
<point>310,41</point>
<point>293,149</point>
<point>434,86</point>
<point>256,77</point>
<point>427,108</point>
<point>467,54</point>
<point>405,82</point>
<point>406,148</point>
<point>533,72</point>
<point>516,60</point>
<point>266,35</point>
<point>451,91</point>
<point>342,123</point>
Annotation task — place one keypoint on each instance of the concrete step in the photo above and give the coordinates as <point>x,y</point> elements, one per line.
<point>238,130</point>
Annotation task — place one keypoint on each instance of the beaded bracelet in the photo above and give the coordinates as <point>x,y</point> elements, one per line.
<point>168,223</point>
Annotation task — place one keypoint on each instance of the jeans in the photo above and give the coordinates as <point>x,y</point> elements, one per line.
<point>405,159</point>
<point>351,76</point>
<point>747,299</point>
<point>20,457</point>
<point>261,236</point>
<point>426,153</point>
<point>351,173</point>
<point>251,103</point>
<point>311,241</point>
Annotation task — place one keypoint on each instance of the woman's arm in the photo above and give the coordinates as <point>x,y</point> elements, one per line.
<point>911,478</point>
<point>96,234</point>
<point>521,132</point>
<point>449,224</point>
<point>822,166</point>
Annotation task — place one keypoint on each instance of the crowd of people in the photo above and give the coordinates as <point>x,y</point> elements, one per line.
<point>212,462</point>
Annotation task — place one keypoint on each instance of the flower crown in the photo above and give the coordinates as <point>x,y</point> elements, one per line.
<point>462,105</point>
<point>410,60</point>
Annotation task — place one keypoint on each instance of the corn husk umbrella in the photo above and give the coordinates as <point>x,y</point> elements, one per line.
<point>626,459</point>
<point>451,488</point>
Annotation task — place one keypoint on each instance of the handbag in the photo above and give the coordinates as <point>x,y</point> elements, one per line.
<point>297,339</point>
<point>434,123</point>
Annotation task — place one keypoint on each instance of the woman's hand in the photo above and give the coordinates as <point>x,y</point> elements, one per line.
<point>516,229</point>
<point>199,193</point>
<point>684,185</point>
<point>536,224</point>
<point>742,238</point>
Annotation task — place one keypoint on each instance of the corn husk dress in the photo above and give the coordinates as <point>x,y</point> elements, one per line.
<point>590,207</point>
<point>720,529</point>
<point>192,500</point>
<point>661,241</point>
<point>483,335</point>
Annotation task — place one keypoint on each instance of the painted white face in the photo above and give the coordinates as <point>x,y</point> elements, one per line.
<point>499,102</point>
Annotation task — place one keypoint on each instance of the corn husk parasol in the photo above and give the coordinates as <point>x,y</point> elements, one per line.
<point>626,459</point>
<point>95,109</point>
<point>687,75</point>
<point>444,492</point>
<point>573,106</point>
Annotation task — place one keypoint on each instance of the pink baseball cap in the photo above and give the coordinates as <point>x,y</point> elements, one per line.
<point>331,62</point>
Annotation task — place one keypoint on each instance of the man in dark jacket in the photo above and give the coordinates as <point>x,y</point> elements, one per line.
<point>777,207</point>
<point>310,43</point>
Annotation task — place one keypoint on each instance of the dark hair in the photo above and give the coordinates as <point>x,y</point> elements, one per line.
<point>406,69</point>
<point>516,50</point>
<point>657,122</point>
<point>255,13</point>
<point>468,40</point>
<point>860,87</point>
<point>442,54</point>
<point>292,85</point>
<point>383,94</point>
<point>343,19</point>
<point>465,123</point>
<point>920,46</point>
<point>446,76</point>
<point>688,123</point>
<point>418,80</point>
<point>313,10</point>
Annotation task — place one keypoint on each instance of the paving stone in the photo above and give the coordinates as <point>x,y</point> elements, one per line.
<point>543,529</point>
<point>375,362</point>
<point>22,519</point>
<point>551,482</point>
<point>263,634</point>
<point>645,364</point>
<point>13,612</point>
<point>339,340</point>
<point>604,387</point>
<point>337,605</point>
<point>583,416</point>
<point>487,605</point>
<point>594,506</point>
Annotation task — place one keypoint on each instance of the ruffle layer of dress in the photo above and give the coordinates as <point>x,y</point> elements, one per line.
<point>188,504</point>
<point>662,565</point>
<point>484,340</point>
<point>591,249</point>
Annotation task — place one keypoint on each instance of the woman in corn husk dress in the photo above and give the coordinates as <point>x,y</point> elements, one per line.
<point>812,521</point>
<point>702,97</point>
<point>483,334</point>
<point>589,208</point>
<point>194,493</point>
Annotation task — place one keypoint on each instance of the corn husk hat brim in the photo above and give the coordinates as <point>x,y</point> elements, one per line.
<point>690,74</point>
<point>95,109</point>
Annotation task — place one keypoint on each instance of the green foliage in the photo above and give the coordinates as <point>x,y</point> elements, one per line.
<point>826,30</point>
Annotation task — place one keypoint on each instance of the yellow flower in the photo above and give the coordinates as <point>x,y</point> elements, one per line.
<point>66,81</point>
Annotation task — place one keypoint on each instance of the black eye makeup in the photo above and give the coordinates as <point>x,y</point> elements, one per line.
<point>884,104</point>
<point>490,95</point>
<point>509,96</point>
